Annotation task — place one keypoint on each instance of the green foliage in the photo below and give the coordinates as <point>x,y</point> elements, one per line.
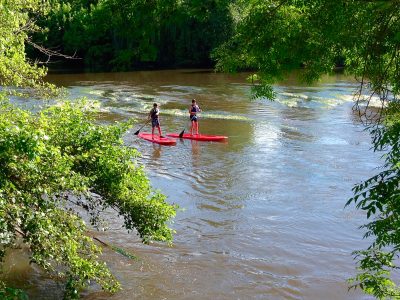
<point>58,165</point>
<point>14,29</point>
<point>260,87</point>
<point>121,35</point>
<point>59,158</point>
<point>274,37</point>
<point>7,293</point>
<point>379,197</point>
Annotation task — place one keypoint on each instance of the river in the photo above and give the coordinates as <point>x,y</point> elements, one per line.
<point>262,216</point>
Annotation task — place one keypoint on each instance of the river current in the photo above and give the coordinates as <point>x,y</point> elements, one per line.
<point>262,216</point>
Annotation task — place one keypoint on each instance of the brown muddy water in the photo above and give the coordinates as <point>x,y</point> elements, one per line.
<point>262,216</point>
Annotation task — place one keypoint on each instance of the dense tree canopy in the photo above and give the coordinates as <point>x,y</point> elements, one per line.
<point>275,37</point>
<point>57,165</point>
<point>128,34</point>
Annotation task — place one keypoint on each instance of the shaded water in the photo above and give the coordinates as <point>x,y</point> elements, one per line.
<point>263,215</point>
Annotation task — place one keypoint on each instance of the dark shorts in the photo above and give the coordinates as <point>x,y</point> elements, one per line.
<point>155,123</point>
<point>193,118</point>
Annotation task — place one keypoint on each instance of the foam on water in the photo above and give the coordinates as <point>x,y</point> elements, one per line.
<point>293,95</point>
<point>263,214</point>
<point>330,140</point>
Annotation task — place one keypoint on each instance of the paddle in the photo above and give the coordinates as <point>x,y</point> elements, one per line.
<point>183,131</point>
<point>137,132</point>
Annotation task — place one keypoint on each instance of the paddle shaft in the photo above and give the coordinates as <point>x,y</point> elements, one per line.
<point>137,132</point>
<point>183,131</point>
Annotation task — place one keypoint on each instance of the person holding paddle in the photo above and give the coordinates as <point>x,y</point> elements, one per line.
<point>155,121</point>
<point>193,110</point>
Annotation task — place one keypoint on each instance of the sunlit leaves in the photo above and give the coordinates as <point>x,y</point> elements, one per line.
<point>50,159</point>
<point>379,197</point>
<point>57,164</point>
<point>274,37</point>
<point>16,26</point>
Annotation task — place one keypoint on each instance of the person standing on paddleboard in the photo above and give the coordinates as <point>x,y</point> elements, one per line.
<point>193,110</point>
<point>155,121</point>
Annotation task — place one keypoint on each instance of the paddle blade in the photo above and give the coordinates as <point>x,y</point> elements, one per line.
<point>137,132</point>
<point>181,134</point>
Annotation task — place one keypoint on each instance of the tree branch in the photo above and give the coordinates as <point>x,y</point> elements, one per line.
<point>50,53</point>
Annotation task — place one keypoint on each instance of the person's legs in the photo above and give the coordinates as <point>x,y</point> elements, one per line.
<point>159,129</point>
<point>157,124</point>
<point>192,127</point>
<point>152,128</point>
<point>197,127</point>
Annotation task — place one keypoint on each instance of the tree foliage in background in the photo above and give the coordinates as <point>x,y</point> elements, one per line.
<point>57,164</point>
<point>14,69</point>
<point>126,34</point>
<point>275,37</point>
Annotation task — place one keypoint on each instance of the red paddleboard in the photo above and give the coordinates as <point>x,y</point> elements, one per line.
<point>200,137</point>
<point>157,139</point>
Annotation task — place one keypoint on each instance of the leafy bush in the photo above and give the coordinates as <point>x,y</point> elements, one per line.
<point>60,158</point>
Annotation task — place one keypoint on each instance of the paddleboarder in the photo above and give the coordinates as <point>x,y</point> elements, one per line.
<point>193,110</point>
<point>155,119</point>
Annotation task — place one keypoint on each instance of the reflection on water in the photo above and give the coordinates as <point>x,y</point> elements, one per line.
<point>156,151</point>
<point>195,153</point>
<point>263,214</point>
